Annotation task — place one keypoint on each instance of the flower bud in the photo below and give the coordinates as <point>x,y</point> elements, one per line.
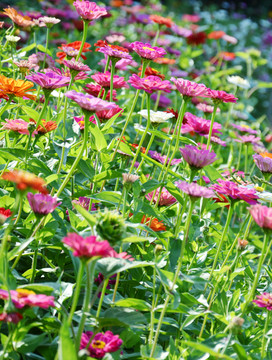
<point>242,243</point>
<point>110,226</point>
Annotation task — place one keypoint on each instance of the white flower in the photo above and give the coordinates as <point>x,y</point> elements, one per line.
<point>12,38</point>
<point>46,21</point>
<point>238,81</point>
<point>156,117</point>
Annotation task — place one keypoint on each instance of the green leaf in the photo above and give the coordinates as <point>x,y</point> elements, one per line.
<point>158,354</point>
<point>265,85</point>
<point>175,192</point>
<point>108,197</point>
<point>27,48</point>
<point>205,349</point>
<point>87,216</point>
<point>151,185</point>
<point>122,317</point>
<point>125,148</point>
<point>31,112</point>
<point>110,122</point>
<point>38,288</point>
<point>98,139</point>
<point>240,351</point>
<point>108,174</point>
<point>212,173</point>
<point>66,349</point>
<point>111,266</point>
<point>136,239</point>
<point>43,49</point>
<point>137,304</point>
<point>12,154</point>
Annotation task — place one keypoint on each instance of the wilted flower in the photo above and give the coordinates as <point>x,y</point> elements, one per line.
<point>264,301</point>
<point>165,198</point>
<point>18,19</point>
<point>25,180</point>
<point>22,298</point>
<point>89,10</point>
<point>101,343</point>
<point>194,190</point>
<point>110,226</point>
<point>89,102</point>
<point>262,215</point>
<point>49,80</point>
<point>150,83</point>
<point>87,247</point>
<point>37,60</point>
<point>147,51</point>
<point>197,158</point>
<point>190,88</point>
<point>42,204</point>
<point>264,162</point>
<point>238,81</point>
<point>104,80</point>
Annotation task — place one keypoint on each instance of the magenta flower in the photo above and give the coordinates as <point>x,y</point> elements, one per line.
<point>206,108</point>
<point>87,247</point>
<point>222,96</point>
<point>80,75</point>
<point>244,128</point>
<point>101,344</point>
<point>17,125</point>
<point>42,204</point>
<point>263,162</point>
<point>199,125</point>
<point>89,102</point>
<point>116,52</point>
<point>89,10</point>
<point>197,158</point>
<point>49,80</point>
<point>11,317</point>
<point>235,192</point>
<point>248,139</point>
<point>190,88</point>
<point>150,83</point>
<point>103,79</point>
<point>216,140</point>
<point>38,59</point>
<point>147,51</point>
<point>165,199</point>
<point>105,115</point>
<point>262,215</point>
<point>194,189</point>
<point>161,158</point>
<point>76,65</point>
<point>22,298</point>
<point>94,90</point>
<point>85,203</point>
<point>80,121</point>
<point>264,301</point>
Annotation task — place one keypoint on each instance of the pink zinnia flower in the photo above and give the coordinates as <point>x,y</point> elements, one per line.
<point>76,65</point>
<point>85,203</point>
<point>105,115</point>
<point>115,51</point>
<point>197,158</point>
<point>264,162</point>
<point>216,140</point>
<point>262,215</point>
<point>206,108</point>
<point>244,128</point>
<point>194,189</point>
<point>89,10</point>
<point>222,96</point>
<point>80,121</point>
<point>89,102</point>
<point>49,80</point>
<point>190,88</point>
<point>80,75</point>
<point>165,199</point>
<point>87,247</point>
<point>264,301</point>
<point>11,317</point>
<point>18,125</point>
<point>199,125</point>
<point>248,139</point>
<point>104,79</point>
<point>150,83</point>
<point>38,59</point>
<point>22,298</point>
<point>94,90</point>
<point>101,343</point>
<point>235,192</point>
<point>147,51</point>
<point>161,158</point>
<point>42,204</point>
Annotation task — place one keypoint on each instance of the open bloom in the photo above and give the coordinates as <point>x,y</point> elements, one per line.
<point>89,10</point>
<point>156,117</point>
<point>76,65</point>
<point>222,96</point>
<point>235,192</point>
<point>49,80</point>
<point>238,81</point>
<point>104,79</point>
<point>248,139</point>
<point>22,298</point>
<point>74,45</point>
<point>87,247</point>
<point>18,19</point>
<point>262,215</point>
<point>264,301</point>
<point>89,102</point>
<point>114,51</point>
<point>161,20</point>
<point>165,198</point>
<point>197,158</point>
<point>190,88</point>
<point>17,125</point>
<point>150,83</point>
<point>199,125</point>
<point>101,343</point>
<point>264,162</point>
<point>155,225</point>
<point>147,51</point>
<point>37,60</point>
<point>194,190</point>
<point>161,158</point>
<point>18,88</point>
<point>46,21</point>
<point>42,204</point>
<point>244,128</point>
<point>25,180</point>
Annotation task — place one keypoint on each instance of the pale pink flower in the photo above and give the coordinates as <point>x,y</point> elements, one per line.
<point>18,125</point>
<point>38,59</point>
<point>190,88</point>
<point>104,79</point>
<point>262,215</point>
<point>89,10</point>
<point>165,198</point>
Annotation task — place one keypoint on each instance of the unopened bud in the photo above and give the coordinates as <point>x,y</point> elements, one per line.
<point>242,243</point>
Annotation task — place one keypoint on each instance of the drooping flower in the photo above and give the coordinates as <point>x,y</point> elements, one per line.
<point>156,117</point>
<point>101,343</point>
<point>18,19</point>
<point>89,102</point>
<point>264,162</point>
<point>165,198</point>
<point>104,79</point>
<point>22,298</point>
<point>42,204</point>
<point>18,88</point>
<point>150,83</point>
<point>244,128</point>
<point>37,60</point>
<point>87,247</point>
<point>147,51</point>
<point>197,158</point>
<point>95,90</point>
<point>49,80</point>
<point>221,96</point>
<point>235,192</point>
<point>194,190</point>
<point>89,10</point>
<point>190,88</point>
<point>161,20</point>
<point>262,215</point>
<point>25,180</point>
<point>264,301</point>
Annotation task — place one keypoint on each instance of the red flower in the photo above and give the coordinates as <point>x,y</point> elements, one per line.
<point>196,38</point>
<point>75,45</point>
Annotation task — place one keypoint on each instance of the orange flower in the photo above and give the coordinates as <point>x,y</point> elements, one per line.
<point>25,180</point>
<point>165,61</point>
<point>161,20</point>
<point>150,71</point>
<point>135,146</point>
<point>46,126</point>
<point>156,225</point>
<point>266,155</point>
<point>75,45</point>
<point>19,88</point>
<point>116,3</point>
<point>216,35</point>
<point>18,19</point>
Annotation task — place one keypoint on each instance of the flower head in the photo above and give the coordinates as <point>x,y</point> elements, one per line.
<point>196,38</point>
<point>4,215</point>
<point>110,226</point>
<point>238,81</point>
<point>161,158</point>
<point>244,128</point>
<point>147,51</point>
<point>37,60</point>
<point>49,80</point>
<point>194,190</point>
<point>114,51</point>
<point>46,21</point>
<point>264,162</point>
<point>216,35</point>
<point>222,96</point>
<point>42,204</point>
<point>89,10</point>
<point>165,198</point>
<point>101,343</point>
<point>104,79</point>
<point>46,126</point>
<point>18,19</point>
<point>206,108</point>
<point>156,117</point>
<point>248,139</point>
<point>74,45</point>
<point>17,125</point>
<point>264,301</point>
<point>22,298</point>
<point>85,203</point>
<point>190,88</point>
<point>235,192</point>
<point>25,180</point>
<point>95,90</point>
<point>197,158</point>
<point>161,20</point>
<point>199,125</point>
<point>18,88</point>
<point>89,102</point>
<point>262,215</point>
<point>155,225</point>
<point>76,65</point>
<point>11,317</point>
<point>150,83</point>
<point>87,247</point>
<point>24,65</point>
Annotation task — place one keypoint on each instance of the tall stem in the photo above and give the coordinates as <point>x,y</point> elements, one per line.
<point>46,46</point>
<point>111,80</point>
<point>246,157</point>
<point>147,149</point>
<point>211,126</point>
<point>105,284</point>
<point>77,292</point>
<point>264,334</point>
<point>46,100</point>
<point>4,108</point>
<point>157,35</point>
<point>84,37</point>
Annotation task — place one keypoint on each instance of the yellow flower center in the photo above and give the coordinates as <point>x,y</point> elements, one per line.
<point>97,344</point>
<point>148,48</point>
<point>24,292</point>
<point>266,155</point>
<point>259,188</point>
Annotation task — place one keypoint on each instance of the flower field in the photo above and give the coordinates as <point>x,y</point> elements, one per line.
<point>135,173</point>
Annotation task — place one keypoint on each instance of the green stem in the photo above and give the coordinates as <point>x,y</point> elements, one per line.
<point>34,263</point>
<point>152,313</point>
<point>43,109</point>
<point>84,37</point>
<point>77,292</point>
<point>46,46</point>
<point>211,126</point>
<point>264,334</point>
<point>157,35</point>
<point>147,149</point>
<point>4,108</point>
<point>117,280</point>
<point>107,66</point>
<point>113,63</point>
<point>106,281</point>
<point>246,157</point>
<point>239,156</point>
<point>125,201</point>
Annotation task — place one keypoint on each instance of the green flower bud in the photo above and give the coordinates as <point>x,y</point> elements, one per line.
<point>110,226</point>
